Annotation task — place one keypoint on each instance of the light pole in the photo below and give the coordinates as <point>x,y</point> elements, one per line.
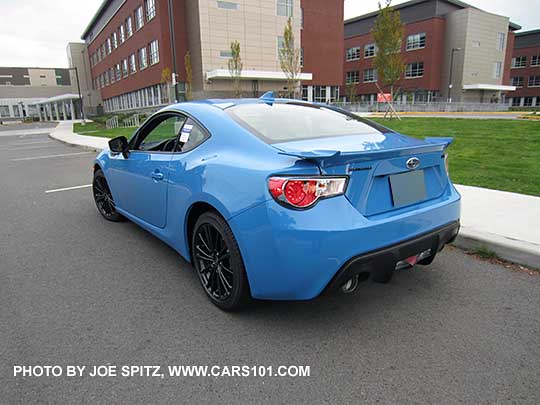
<point>173,46</point>
<point>80,95</point>
<point>450,75</point>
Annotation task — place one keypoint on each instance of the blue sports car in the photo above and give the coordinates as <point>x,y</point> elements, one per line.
<point>280,199</point>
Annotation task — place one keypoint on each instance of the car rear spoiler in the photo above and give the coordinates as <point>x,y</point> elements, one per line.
<point>333,157</point>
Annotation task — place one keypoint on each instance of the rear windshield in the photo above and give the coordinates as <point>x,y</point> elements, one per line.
<point>293,122</point>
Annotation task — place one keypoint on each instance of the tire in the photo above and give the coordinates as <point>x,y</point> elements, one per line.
<point>218,262</point>
<point>103,197</point>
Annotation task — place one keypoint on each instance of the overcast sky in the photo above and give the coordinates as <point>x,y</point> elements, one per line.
<point>36,32</point>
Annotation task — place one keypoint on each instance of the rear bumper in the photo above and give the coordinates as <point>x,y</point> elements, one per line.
<point>384,260</point>
<point>295,255</point>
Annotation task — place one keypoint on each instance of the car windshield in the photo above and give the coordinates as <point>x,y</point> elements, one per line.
<point>282,122</point>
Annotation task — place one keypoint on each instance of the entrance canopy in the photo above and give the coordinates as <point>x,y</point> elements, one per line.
<point>62,107</point>
<point>490,87</point>
<point>254,75</point>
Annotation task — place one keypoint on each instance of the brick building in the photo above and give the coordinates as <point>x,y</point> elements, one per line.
<point>452,51</point>
<point>132,49</point>
<point>525,69</point>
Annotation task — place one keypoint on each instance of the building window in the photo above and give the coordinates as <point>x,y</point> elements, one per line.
<point>301,17</point>
<point>150,9</point>
<point>285,8</point>
<point>302,57</point>
<point>143,58</point>
<point>115,40</point>
<point>132,63</point>
<point>111,76</point>
<point>227,5</point>
<point>413,70</point>
<point>319,94</point>
<point>154,52</point>
<point>280,45</point>
<point>519,62</point>
<point>122,31</point>
<point>527,101</point>
<point>353,53</point>
<point>501,36</point>
<point>118,72</point>
<point>109,46</point>
<point>416,41</point>
<point>370,75</point>
<point>517,81</point>
<point>516,101</point>
<point>139,18</point>
<point>125,70</point>
<point>476,44</point>
<point>352,77</point>
<point>535,60</point>
<point>103,52</point>
<point>129,26</point>
<point>497,70</point>
<point>534,81</point>
<point>225,54</point>
<point>370,50</point>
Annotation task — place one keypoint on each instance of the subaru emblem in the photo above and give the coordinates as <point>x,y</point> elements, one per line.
<point>413,163</point>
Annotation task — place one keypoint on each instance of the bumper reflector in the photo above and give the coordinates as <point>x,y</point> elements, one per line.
<point>411,261</point>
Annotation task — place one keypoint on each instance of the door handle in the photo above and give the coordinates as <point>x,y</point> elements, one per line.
<point>157,176</point>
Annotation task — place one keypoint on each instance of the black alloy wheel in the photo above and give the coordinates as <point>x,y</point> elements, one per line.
<point>103,197</point>
<point>218,262</point>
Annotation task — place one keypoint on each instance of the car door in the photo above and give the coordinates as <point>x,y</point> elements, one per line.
<point>140,181</point>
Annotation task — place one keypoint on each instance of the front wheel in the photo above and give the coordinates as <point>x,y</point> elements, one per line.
<point>218,263</point>
<point>103,197</point>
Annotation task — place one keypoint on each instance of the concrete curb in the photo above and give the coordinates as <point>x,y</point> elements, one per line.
<point>73,143</point>
<point>512,250</point>
<point>64,133</point>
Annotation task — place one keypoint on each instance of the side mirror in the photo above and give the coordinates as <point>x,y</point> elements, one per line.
<point>119,145</point>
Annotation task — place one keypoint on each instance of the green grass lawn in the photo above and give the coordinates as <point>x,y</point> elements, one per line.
<point>491,153</point>
<point>96,129</point>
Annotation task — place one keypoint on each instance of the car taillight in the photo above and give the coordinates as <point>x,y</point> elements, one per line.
<point>304,192</point>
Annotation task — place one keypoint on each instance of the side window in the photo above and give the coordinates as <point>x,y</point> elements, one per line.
<point>191,136</point>
<point>160,136</point>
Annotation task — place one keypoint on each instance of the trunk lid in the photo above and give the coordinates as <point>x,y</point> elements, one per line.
<point>381,176</point>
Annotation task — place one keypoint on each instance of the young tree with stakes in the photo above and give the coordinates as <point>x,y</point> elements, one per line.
<point>289,59</point>
<point>388,34</point>
<point>189,76</point>
<point>235,67</point>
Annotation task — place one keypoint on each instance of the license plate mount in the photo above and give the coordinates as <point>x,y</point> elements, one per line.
<point>407,188</point>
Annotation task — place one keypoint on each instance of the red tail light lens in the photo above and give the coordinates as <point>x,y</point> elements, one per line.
<point>304,192</point>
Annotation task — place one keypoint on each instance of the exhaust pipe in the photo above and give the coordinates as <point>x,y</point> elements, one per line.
<point>350,285</point>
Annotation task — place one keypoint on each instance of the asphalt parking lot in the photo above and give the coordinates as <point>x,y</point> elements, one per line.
<point>78,290</point>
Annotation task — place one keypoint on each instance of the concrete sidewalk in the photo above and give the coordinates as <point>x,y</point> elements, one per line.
<point>505,223</point>
<point>64,133</point>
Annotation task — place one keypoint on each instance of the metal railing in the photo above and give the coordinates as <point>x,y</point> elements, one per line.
<point>112,122</point>
<point>426,107</point>
<point>133,121</point>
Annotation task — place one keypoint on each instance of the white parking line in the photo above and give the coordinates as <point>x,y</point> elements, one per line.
<point>28,143</point>
<point>32,147</point>
<point>51,156</point>
<point>67,188</point>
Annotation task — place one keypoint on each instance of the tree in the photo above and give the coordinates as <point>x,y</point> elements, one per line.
<point>289,59</point>
<point>166,75</point>
<point>388,33</point>
<point>235,67</point>
<point>189,76</point>
<point>351,92</point>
